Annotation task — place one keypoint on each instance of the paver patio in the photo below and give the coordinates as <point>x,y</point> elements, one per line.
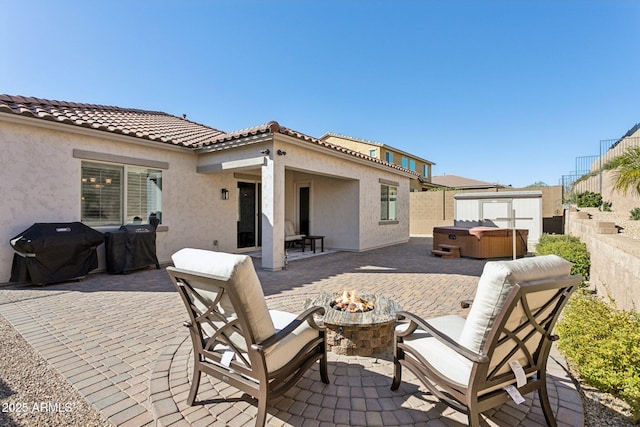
<point>119,340</point>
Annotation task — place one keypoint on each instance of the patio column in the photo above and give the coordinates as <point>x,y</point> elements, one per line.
<point>273,214</point>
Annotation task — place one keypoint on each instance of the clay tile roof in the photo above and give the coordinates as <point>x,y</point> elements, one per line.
<point>150,125</point>
<point>231,139</point>
<point>157,126</point>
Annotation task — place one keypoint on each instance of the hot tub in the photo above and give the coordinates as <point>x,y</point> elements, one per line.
<point>482,242</point>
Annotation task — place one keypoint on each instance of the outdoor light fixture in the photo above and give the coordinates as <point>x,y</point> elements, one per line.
<point>224,194</point>
<point>282,153</point>
<point>265,152</point>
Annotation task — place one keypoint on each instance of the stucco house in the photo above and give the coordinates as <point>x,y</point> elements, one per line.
<point>105,166</point>
<point>389,154</point>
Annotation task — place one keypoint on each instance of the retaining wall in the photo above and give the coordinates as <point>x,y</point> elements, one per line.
<point>615,260</point>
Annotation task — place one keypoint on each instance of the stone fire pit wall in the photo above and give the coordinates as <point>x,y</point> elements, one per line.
<point>358,334</point>
<point>359,340</point>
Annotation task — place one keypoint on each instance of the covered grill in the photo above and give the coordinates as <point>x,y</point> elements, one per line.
<point>54,252</point>
<point>130,248</point>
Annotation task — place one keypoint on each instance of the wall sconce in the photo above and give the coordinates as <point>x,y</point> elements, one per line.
<point>224,194</point>
<point>265,152</point>
<point>282,153</point>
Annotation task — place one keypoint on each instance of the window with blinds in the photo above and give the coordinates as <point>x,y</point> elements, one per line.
<point>105,201</point>
<point>144,193</point>
<point>388,201</point>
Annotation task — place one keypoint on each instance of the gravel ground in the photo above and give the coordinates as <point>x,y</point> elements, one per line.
<point>32,393</point>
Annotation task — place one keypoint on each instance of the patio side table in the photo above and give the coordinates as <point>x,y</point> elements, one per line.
<point>312,242</point>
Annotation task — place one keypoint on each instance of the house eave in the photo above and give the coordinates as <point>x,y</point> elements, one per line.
<point>85,131</point>
<point>345,156</point>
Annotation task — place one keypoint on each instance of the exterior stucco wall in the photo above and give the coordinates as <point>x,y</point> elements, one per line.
<point>381,153</point>
<point>337,183</point>
<point>615,262</point>
<point>336,212</point>
<point>41,183</point>
<point>360,147</point>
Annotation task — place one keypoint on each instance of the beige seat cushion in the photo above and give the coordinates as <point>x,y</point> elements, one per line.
<point>284,351</point>
<point>497,280</point>
<point>290,232</point>
<point>441,358</point>
<point>239,272</point>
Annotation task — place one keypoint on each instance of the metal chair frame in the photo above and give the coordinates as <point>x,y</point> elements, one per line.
<point>247,370</point>
<point>532,337</point>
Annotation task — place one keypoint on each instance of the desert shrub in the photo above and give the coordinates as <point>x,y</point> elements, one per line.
<point>589,199</point>
<point>605,207</point>
<point>569,248</point>
<point>602,344</point>
<point>635,214</point>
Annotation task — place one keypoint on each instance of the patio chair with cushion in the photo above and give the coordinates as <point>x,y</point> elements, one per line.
<point>235,337</point>
<point>504,343</point>
<point>291,236</point>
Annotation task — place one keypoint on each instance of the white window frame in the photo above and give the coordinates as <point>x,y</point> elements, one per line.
<point>123,193</point>
<point>388,202</point>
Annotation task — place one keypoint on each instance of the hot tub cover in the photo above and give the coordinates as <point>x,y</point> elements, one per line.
<point>54,252</point>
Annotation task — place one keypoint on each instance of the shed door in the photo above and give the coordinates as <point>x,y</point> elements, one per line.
<point>496,213</point>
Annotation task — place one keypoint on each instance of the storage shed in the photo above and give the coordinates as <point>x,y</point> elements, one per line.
<point>501,209</point>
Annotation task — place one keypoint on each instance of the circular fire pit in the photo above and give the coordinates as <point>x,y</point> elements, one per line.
<point>358,333</point>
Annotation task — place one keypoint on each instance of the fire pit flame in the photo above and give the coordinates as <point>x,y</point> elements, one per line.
<point>348,301</point>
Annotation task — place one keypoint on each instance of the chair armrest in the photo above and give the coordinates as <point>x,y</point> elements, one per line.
<point>416,321</point>
<point>306,315</point>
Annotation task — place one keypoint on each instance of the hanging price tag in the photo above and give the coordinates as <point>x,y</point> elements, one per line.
<point>516,367</point>
<point>514,394</point>
<point>227,357</point>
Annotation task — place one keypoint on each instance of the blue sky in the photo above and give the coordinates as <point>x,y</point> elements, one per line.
<point>507,91</point>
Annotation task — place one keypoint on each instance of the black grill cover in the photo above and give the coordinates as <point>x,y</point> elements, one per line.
<point>130,248</point>
<point>54,252</point>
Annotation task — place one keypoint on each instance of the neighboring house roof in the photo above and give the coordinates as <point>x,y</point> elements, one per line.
<point>150,125</point>
<point>377,144</point>
<point>454,181</point>
<point>157,126</point>
<point>231,139</point>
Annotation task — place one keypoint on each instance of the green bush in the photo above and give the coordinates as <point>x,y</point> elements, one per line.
<point>602,344</point>
<point>569,248</point>
<point>605,207</point>
<point>635,214</point>
<point>589,199</point>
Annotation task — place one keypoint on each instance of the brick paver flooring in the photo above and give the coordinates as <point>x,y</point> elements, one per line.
<point>118,340</point>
